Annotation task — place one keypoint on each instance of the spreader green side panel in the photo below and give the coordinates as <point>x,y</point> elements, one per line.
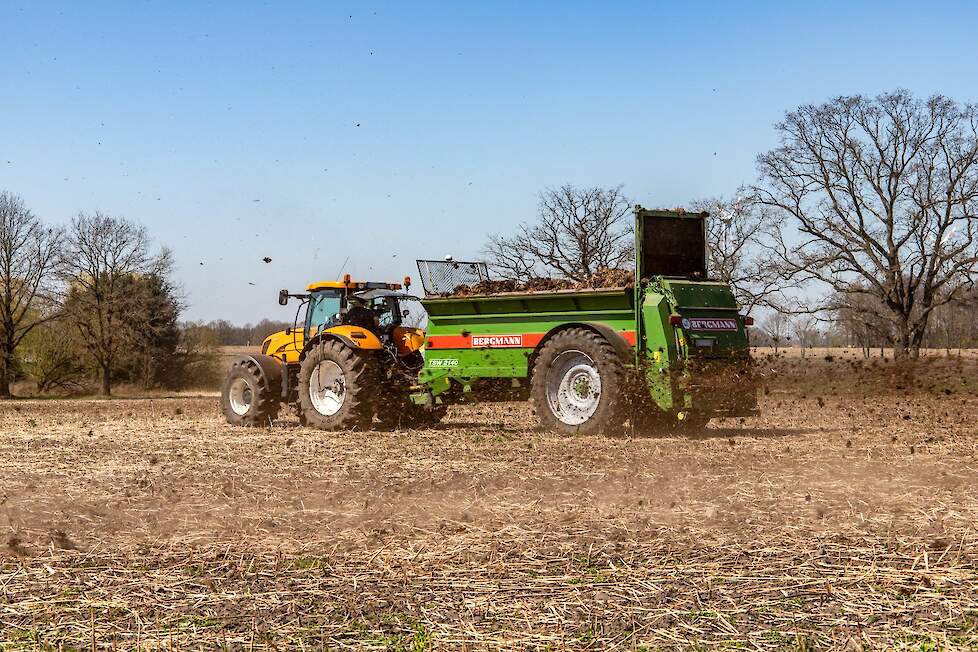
<point>660,349</point>
<point>495,336</point>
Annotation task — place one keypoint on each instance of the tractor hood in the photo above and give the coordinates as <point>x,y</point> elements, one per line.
<point>284,345</point>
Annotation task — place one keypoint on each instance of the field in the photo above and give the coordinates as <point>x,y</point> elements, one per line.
<point>843,517</point>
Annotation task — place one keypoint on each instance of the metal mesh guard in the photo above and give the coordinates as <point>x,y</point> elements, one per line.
<point>444,276</point>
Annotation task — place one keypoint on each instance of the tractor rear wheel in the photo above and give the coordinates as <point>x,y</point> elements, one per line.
<point>246,398</point>
<point>335,388</point>
<point>579,384</point>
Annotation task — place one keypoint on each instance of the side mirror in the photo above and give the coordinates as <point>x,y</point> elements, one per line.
<point>283,297</point>
<point>405,313</point>
<point>288,330</point>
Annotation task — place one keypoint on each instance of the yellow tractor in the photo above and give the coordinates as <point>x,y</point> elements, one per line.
<point>356,356</point>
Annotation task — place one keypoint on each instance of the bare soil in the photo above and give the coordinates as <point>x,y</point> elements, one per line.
<point>843,517</point>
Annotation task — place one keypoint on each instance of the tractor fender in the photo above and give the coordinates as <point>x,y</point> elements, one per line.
<point>343,338</point>
<point>271,369</point>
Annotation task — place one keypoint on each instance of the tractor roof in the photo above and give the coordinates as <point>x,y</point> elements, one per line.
<point>353,285</point>
<point>367,295</point>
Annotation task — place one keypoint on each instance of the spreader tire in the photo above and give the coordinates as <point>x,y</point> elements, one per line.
<point>335,388</point>
<point>246,398</point>
<point>579,384</point>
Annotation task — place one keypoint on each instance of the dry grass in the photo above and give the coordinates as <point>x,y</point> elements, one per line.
<point>844,517</point>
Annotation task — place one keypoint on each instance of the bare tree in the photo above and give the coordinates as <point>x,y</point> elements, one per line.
<point>736,234</point>
<point>577,232</point>
<point>29,255</point>
<point>807,333</point>
<point>509,258</point>
<point>863,319</point>
<point>777,327</point>
<point>953,325</point>
<point>104,256</point>
<point>882,192</point>
<point>53,358</point>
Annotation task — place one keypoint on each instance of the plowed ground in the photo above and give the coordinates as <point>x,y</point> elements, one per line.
<point>843,517</point>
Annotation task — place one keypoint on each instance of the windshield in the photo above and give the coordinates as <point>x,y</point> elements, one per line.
<point>322,310</point>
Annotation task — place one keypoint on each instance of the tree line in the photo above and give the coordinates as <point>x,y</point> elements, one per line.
<point>861,227</point>
<point>92,299</point>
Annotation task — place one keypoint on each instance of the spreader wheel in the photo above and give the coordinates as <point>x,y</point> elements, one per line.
<point>578,384</point>
<point>246,398</point>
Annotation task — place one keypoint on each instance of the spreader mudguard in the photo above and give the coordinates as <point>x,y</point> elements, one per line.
<point>623,347</point>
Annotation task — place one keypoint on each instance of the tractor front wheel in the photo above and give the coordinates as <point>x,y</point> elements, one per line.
<point>335,387</point>
<point>246,398</point>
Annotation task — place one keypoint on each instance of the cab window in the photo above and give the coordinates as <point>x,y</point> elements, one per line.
<point>413,314</point>
<point>322,310</point>
<point>385,310</point>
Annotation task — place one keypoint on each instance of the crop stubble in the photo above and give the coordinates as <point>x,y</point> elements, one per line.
<point>842,517</point>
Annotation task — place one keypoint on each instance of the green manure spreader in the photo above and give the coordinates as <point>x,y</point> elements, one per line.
<point>670,352</point>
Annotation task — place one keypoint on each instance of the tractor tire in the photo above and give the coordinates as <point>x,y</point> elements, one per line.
<point>579,384</point>
<point>246,398</point>
<point>336,388</point>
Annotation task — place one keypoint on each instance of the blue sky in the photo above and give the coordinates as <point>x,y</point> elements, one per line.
<point>309,132</point>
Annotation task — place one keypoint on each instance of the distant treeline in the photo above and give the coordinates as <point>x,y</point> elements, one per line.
<point>951,326</point>
<point>227,334</point>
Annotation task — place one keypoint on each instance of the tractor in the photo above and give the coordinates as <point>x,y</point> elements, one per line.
<point>355,356</point>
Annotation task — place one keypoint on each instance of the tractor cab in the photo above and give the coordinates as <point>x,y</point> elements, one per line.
<point>399,318</point>
<point>365,314</point>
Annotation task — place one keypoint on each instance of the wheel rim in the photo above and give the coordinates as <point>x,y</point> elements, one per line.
<point>240,396</point>
<point>327,388</point>
<point>573,387</point>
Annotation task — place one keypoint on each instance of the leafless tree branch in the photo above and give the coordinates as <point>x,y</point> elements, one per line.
<point>578,231</point>
<point>883,196</point>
